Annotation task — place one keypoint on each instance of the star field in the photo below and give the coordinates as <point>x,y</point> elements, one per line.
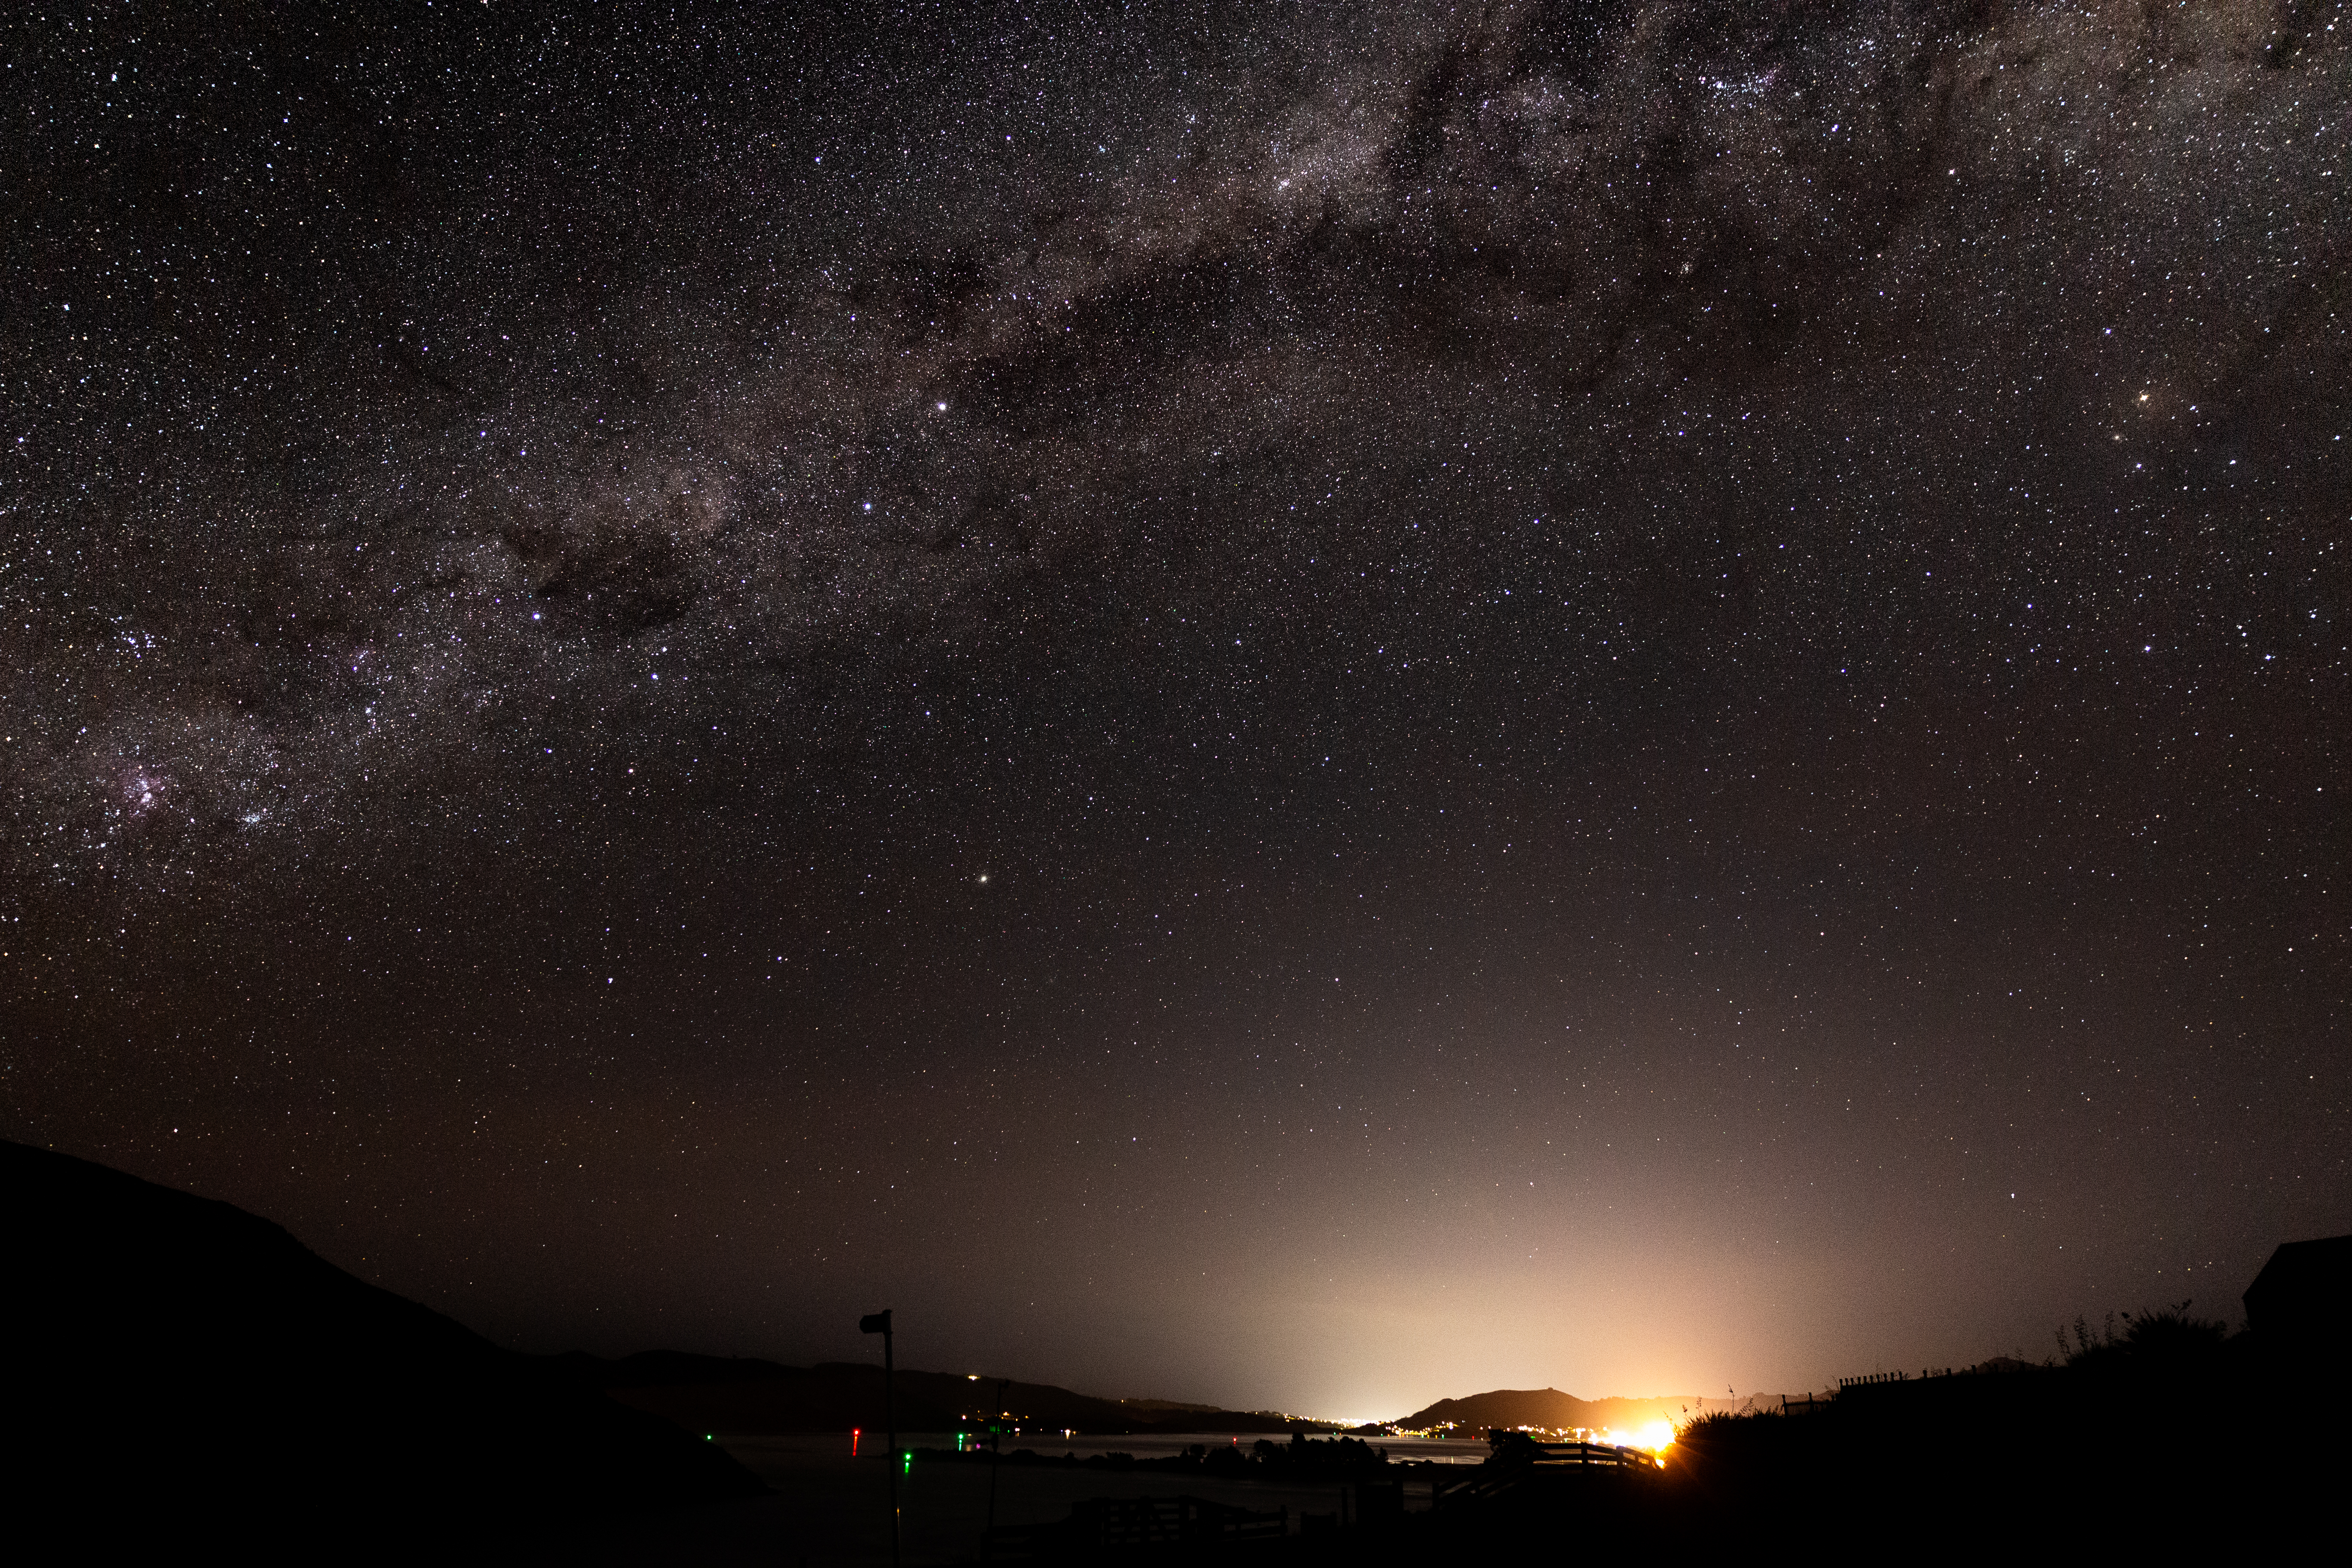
<point>1306,706</point>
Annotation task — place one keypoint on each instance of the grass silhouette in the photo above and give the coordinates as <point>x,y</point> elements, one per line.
<point>2153,1335</point>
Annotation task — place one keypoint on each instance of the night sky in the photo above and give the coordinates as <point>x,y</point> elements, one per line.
<point>1303,705</point>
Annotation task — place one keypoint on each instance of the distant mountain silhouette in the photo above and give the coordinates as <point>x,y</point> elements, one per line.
<point>725,1394</point>
<point>180,1365</point>
<point>1549,1407</point>
<point>1164,1406</point>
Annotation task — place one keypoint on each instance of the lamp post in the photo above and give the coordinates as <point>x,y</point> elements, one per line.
<point>879,1323</point>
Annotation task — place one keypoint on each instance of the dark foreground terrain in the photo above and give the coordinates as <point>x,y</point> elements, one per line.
<point>185,1372</point>
<point>188,1376</point>
<point>2168,1440</point>
<point>2171,1440</point>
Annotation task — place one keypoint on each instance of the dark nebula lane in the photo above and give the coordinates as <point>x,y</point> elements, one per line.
<point>1292,705</point>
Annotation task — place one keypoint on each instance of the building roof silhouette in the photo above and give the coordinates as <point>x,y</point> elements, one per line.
<point>2304,1292</point>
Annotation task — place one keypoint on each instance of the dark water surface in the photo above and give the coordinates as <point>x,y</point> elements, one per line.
<point>826,1507</point>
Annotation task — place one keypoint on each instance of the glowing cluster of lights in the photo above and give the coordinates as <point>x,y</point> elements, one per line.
<point>1656,1437</point>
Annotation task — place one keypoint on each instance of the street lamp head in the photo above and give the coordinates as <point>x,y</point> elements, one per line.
<point>874,1323</point>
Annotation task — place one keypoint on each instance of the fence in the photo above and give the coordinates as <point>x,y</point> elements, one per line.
<point>1608,1454</point>
<point>1539,1461</point>
<point>1878,1377</point>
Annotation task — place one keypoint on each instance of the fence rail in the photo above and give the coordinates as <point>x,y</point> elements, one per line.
<point>1610,1454</point>
<point>1538,1460</point>
<point>1878,1377</point>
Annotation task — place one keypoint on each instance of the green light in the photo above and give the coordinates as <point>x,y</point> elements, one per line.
<point>906,1466</point>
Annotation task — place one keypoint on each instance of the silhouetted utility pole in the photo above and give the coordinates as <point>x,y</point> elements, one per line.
<point>879,1323</point>
<point>995,1458</point>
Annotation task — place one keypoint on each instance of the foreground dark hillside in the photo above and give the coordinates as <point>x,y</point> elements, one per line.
<point>2168,1436</point>
<point>182,1366</point>
<point>2191,1439</point>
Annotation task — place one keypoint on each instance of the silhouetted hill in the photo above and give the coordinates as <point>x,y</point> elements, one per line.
<point>1546,1408</point>
<point>718,1393</point>
<point>182,1365</point>
<point>1167,1407</point>
<point>658,1369</point>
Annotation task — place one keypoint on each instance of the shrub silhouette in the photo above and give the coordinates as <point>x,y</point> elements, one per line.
<point>1719,1425</point>
<point>2151,1341</point>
